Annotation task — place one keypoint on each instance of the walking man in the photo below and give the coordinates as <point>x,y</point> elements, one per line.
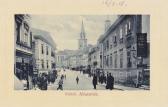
<point>77,79</point>
<point>60,84</point>
<point>110,82</point>
<point>94,81</point>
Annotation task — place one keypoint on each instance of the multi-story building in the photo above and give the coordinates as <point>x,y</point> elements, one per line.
<point>23,47</point>
<point>94,58</point>
<point>118,47</point>
<point>60,59</point>
<point>44,51</point>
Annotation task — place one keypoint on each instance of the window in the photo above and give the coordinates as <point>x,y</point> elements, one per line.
<point>104,46</point>
<point>111,46</point>
<point>94,57</point>
<point>26,37</point>
<point>126,29</point>
<point>107,61</point>
<point>47,50</point>
<point>18,31</point>
<point>121,58</point>
<point>107,44</point>
<point>47,64</point>
<point>115,61</point>
<point>129,25</point>
<point>58,58</point>
<point>42,50</point>
<point>111,61</point>
<point>104,60</point>
<point>115,41</point>
<point>52,54</point>
<point>129,63</point>
<point>42,64</point>
<point>111,41</point>
<point>26,27</point>
<point>121,36</point>
<point>26,31</point>
<point>115,38</point>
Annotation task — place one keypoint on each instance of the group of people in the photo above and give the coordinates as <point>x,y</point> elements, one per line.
<point>109,81</point>
<point>42,80</point>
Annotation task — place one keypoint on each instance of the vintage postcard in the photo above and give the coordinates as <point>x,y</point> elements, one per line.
<point>82,52</point>
<point>78,53</point>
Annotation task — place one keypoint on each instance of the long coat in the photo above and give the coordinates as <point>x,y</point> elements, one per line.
<point>94,80</point>
<point>110,82</point>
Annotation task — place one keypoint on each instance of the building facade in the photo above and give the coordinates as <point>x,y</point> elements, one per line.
<point>23,48</point>
<point>44,51</point>
<point>118,48</point>
<point>60,59</point>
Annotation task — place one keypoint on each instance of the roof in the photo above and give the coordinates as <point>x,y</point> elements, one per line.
<point>44,36</point>
<point>112,27</point>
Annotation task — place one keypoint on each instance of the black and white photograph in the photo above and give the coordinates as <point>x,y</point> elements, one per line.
<point>81,52</point>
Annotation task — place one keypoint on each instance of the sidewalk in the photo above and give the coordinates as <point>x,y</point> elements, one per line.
<point>18,85</point>
<point>121,87</point>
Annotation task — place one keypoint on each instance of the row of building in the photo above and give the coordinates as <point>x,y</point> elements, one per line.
<point>118,50</point>
<point>34,50</point>
<point>75,58</point>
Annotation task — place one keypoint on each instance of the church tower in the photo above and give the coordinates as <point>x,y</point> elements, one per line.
<point>82,40</point>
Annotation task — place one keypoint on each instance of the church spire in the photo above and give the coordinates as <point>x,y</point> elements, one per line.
<point>82,40</point>
<point>82,31</point>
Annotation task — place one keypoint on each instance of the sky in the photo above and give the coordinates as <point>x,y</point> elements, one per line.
<point>65,29</point>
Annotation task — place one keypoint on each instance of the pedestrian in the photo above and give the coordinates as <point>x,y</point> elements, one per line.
<point>62,76</point>
<point>110,82</point>
<point>60,84</point>
<point>44,82</point>
<point>65,76</point>
<point>34,81</point>
<point>24,84</point>
<point>77,79</point>
<point>94,81</point>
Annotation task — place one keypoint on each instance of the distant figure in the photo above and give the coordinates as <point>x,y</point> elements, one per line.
<point>65,76</point>
<point>77,79</point>
<point>44,82</point>
<point>94,81</point>
<point>34,82</point>
<point>62,76</point>
<point>110,82</point>
<point>60,84</point>
<point>24,84</point>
